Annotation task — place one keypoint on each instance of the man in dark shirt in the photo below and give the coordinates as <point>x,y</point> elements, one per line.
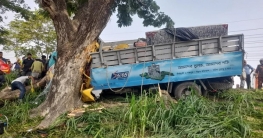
<point>259,73</point>
<point>44,61</point>
<point>1,57</point>
<point>27,63</point>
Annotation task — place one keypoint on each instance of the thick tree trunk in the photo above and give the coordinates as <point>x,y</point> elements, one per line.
<point>73,38</point>
<point>64,94</point>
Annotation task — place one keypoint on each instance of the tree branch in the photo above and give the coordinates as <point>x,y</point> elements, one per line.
<point>63,24</point>
<point>87,21</point>
<point>48,6</point>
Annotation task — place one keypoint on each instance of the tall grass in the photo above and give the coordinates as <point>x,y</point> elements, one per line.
<point>145,116</point>
<point>18,116</point>
<point>191,117</point>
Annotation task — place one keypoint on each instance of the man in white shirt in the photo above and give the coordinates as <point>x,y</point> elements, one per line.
<point>243,78</point>
<point>18,83</point>
<point>249,70</point>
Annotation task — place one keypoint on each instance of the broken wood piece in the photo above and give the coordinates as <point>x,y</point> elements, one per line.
<point>96,109</point>
<point>160,91</point>
<point>81,111</point>
<point>86,105</point>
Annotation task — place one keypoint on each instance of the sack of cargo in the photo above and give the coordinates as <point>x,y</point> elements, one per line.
<point>141,42</point>
<point>4,67</point>
<point>121,46</point>
<point>106,48</point>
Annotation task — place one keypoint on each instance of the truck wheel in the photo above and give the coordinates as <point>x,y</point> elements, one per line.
<point>221,86</point>
<point>184,89</point>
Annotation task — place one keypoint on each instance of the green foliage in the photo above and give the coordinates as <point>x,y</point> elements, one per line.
<point>3,32</point>
<point>147,10</point>
<point>36,35</point>
<point>17,6</point>
<point>18,116</point>
<point>144,117</point>
<point>10,77</point>
<point>231,114</point>
<point>192,117</point>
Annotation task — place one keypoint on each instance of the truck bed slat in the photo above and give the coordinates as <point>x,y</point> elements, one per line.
<point>230,49</point>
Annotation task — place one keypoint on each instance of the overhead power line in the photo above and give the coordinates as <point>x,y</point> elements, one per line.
<point>253,47</point>
<point>254,43</point>
<point>147,31</point>
<point>247,30</point>
<point>245,20</point>
<point>254,35</point>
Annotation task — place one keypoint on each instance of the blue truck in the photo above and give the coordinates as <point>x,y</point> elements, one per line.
<point>202,64</point>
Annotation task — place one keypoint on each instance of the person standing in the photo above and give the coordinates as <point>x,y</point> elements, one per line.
<point>44,61</point>
<point>37,68</point>
<point>27,63</point>
<point>18,65</point>
<point>53,59</point>
<point>243,78</point>
<point>259,73</point>
<point>248,69</point>
<point>2,74</point>
<point>9,63</point>
<point>18,83</point>
<point>2,78</point>
<point>2,58</point>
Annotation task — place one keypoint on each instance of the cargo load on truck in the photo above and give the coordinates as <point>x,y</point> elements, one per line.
<point>169,35</point>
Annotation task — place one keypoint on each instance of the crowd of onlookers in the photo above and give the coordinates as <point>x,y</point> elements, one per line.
<point>27,68</point>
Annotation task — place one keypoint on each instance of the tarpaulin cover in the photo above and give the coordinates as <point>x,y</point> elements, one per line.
<point>185,34</point>
<point>4,67</point>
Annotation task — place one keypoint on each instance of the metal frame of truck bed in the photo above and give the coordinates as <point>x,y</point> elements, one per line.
<point>217,45</point>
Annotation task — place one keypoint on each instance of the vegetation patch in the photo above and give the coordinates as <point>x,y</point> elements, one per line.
<point>232,114</point>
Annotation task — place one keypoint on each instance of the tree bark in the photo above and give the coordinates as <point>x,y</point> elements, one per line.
<point>73,37</point>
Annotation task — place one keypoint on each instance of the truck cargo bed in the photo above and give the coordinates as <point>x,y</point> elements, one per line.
<point>162,63</point>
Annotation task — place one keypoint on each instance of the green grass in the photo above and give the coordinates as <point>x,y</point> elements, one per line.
<point>230,114</point>
<point>18,116</point>
<point>11,76</point>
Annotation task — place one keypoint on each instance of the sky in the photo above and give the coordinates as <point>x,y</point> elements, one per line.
<point>242,16</point>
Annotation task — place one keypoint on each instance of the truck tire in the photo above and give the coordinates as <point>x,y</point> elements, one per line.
<point>184,89</point>
<point>220,86</point>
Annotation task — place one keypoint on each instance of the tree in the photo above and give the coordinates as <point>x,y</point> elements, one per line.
<point>17,6</point>
<point>78,23</point>
<point>36,35</point>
